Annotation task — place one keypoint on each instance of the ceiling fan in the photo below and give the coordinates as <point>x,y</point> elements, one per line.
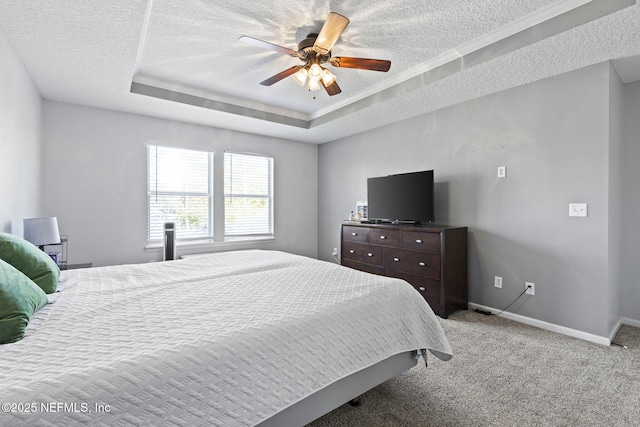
<point>314,51</point>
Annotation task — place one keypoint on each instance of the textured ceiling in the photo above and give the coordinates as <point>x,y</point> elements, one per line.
<point>442,52</point>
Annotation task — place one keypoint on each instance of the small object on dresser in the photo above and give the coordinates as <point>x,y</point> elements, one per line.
<point>361,211</point>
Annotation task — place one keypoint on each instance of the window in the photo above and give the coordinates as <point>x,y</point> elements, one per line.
<point>248,195</point>
<point>180,191</point>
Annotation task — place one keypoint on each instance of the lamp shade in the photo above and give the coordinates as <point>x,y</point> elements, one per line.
<point>41,231</point>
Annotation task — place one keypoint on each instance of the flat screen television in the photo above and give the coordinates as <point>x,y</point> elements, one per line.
<point>406,197</point>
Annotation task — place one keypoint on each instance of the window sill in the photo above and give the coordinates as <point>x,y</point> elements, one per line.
<point>209,243</point>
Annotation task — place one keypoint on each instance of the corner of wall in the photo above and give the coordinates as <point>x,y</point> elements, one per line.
<point>615,197</point>
<point>20,142</point>
<point>630,211</point>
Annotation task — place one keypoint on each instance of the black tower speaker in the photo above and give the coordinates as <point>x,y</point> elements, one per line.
<point>169,241</point>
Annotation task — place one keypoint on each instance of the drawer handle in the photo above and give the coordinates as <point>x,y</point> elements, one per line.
<point>354,234</point>
<point>369,254</point>
<point>395,259</point>
<point>422,288</point>
<point>422,264</point>
<point>351,251</point>
<point>418,240</point>
<point>383,237</point>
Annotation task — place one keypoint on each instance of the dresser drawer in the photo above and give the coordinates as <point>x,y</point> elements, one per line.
<point>374,269</point>
<point>384,236</point>
<point>428,288</point>
<point>421,241</point>
<point>422,263</point>
<point>355,234</point>
<point>362,252</point>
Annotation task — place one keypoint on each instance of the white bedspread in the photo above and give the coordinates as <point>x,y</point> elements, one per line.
<point>218,339</point>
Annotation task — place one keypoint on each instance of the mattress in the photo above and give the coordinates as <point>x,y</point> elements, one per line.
<point>224,339</point>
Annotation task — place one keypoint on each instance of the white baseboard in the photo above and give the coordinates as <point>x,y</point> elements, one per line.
<point>615,330</point>
<point>630,322</point>
<point>546,325</point>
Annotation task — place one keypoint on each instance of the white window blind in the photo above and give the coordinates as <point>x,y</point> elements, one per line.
<point>248,194</point>
<point>180,191</point>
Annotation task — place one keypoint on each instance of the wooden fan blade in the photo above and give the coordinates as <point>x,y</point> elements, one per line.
<point>361,63</point>
<point>330,32</point>
<point>281,75</point>
<point>332,89</point>
<point>266,45</point>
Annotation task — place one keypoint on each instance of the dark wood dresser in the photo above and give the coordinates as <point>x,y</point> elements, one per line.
<point>432,258</point>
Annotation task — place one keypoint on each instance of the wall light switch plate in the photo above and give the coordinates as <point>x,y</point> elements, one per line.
<point>502,171</point>
<point>497,282</point>
<point>578,209</point>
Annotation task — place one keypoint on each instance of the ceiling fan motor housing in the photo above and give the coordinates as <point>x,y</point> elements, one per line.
<point>307,51</point>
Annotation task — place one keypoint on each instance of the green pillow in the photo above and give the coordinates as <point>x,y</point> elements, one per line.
<point>29,259</point>
<point>20,298</point>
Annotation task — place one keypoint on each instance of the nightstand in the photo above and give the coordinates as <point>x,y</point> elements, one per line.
<point>75,266</point>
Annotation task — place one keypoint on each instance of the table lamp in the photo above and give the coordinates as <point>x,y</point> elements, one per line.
<point>41,231</point>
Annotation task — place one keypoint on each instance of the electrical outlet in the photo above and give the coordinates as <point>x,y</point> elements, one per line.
<point>578,209</point>
<point>334,252</point>
<point>497,282</point>
<point>502,171</point>
<point>530,287</point>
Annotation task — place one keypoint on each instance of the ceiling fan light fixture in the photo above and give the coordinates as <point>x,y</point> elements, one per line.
<point>301,76</point>
<point>314,84</point>
<point>315,72</point>
<point>327,77</point>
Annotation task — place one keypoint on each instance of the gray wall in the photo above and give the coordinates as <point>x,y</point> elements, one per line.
<point>95,181</point>
<point>553,137</point>
<point>630,299</point>
<point>20,147</point>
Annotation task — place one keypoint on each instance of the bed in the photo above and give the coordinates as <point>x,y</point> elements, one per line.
<point>242,338</point>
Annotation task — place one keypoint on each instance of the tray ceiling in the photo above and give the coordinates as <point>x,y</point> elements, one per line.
<point>181,59</point>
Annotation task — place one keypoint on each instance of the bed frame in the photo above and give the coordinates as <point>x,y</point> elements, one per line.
<point>342,391</point>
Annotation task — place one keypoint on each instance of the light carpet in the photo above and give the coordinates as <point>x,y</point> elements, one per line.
<point>506,373</point>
